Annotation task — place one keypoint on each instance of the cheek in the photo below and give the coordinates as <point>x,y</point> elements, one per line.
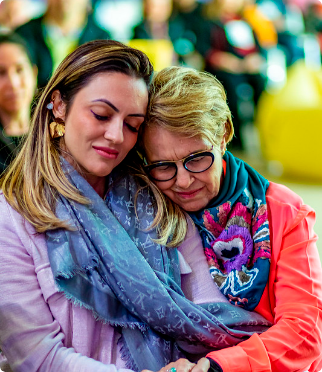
<point>79,129</point>
<point>130,139</point>
<point>212,182</point>
<point>164,187</point>
<point>3,82</point>
<point>29,83</point>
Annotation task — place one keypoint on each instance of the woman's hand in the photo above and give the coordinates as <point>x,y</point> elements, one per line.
<point>183,365</point>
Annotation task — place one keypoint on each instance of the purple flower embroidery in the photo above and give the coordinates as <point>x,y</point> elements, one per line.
<point>233,248</point>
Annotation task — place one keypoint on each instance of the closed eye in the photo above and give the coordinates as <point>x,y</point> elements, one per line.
<point>132,129</point>
<point>164,167</point>
<point>99,117</point>
<point>197,159</point>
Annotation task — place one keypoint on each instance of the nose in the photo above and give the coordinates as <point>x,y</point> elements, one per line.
<point>13,79</point>
<point>184,178</point>
<point>114,131</point>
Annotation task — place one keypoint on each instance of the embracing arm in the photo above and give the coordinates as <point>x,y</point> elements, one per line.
<point>294,342</point>
<point>30,337</point>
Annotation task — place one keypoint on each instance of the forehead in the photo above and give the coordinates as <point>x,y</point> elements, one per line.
<point>162,144</point>
<point>12,53</point>
<point>115,83</point>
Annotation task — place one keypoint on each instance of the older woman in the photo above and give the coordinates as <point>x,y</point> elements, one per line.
<point>257,236</point>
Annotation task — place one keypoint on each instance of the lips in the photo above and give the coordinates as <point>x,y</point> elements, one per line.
<point>106,152</point>
<point>188,194</point>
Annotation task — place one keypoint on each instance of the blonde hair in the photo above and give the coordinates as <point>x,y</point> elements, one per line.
<point>192,103</point>
<point>35,178</point>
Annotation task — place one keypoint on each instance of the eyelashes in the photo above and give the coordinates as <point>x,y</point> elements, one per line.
<point>132,129</point>
<point>105,118</point>
<point>100,117</point>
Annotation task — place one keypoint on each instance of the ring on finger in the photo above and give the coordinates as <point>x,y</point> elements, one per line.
<point>173,369</point>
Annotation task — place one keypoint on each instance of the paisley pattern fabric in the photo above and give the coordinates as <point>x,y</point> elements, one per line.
<point>109,264</point>
<point>235,234</point>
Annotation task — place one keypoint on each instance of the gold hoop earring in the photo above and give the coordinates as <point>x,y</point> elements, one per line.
<point>57,128</point>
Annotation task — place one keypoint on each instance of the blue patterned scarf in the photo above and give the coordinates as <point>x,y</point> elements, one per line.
<point>235,234</point>
<point>110,265</point>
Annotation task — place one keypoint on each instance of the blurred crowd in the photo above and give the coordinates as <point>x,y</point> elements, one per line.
<point>239,41</point>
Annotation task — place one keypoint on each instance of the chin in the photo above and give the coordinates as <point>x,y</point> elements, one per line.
<point>192,207</point>
<point>102,172</point>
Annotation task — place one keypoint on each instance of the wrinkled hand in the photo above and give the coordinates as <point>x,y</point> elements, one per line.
<point>183,365</point>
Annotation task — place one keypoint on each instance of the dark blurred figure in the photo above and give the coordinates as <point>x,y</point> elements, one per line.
<point>161,21</point>
<point>313,21</point>
<point>289,24</point>
<point>236,58</point>
<point>157,22</point>
<point>191,14</point>
<point>18,77</point>
<point>65,25</point>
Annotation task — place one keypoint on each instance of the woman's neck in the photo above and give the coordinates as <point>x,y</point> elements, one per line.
<point>15,124</point>
<point>99,185</point>
<point>159,30</point>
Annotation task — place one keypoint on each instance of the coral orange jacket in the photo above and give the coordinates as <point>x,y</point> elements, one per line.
<point>292,299</point>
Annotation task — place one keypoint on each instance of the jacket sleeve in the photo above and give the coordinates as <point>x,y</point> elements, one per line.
<point>29,335</point>
<point>294,342</point>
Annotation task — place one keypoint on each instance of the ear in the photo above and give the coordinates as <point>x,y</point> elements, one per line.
<point>223,143</point>
<point>35,71</point>
<point>59,109</point>
<point>35,77</point>
<point>223,146</point>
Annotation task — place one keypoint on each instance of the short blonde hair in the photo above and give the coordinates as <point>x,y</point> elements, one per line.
<point>35,179</point>
<point>192,103</point>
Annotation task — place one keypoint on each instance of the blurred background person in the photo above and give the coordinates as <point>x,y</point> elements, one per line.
<point>313,21</point>
<point>157,22</point>
<point>162,22</point>
<point>289,23</point>
<point>18,78</point>
<point>236,58</point>
<point>191,14</point>
<point>13,13</point>
<point>64,26</point>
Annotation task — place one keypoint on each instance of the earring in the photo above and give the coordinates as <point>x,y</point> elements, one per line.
<point>50,106</point>
<point>57,128</point>
<point>223,151</point>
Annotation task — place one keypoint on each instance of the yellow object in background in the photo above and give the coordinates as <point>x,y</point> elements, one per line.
<point>160,52</point>
<point>290,124</point>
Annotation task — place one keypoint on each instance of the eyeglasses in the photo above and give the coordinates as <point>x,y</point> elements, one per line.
<point>163,171</point>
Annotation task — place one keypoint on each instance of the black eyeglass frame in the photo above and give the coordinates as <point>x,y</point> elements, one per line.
<point>185,160</point>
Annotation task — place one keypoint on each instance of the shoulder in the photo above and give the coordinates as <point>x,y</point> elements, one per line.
<point>281,195</point>
<point>34,23</point>
<point>18,237</point>
<point>93,30</point>
<point>286,209</point>
<point>4,208</point>
<point>12,222</point>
